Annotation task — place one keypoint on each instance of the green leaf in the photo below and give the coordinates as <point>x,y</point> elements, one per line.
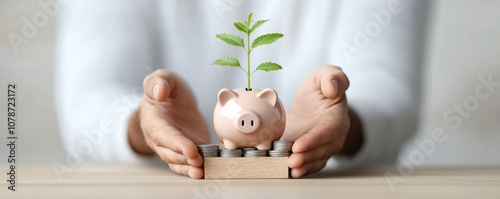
<point>269,66</point>
<point>231,39</point>
<point>257,24</point>
<point>227,61</point>
<point>249,20</point>
<point>241,27</point>
<point>266,39</point>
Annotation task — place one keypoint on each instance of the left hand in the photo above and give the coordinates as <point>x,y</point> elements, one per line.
<point>318,120</point>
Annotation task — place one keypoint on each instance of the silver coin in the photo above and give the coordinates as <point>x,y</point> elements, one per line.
<point>210,155</point>
<point>279,151</point>
<point>256,153</point>
<point>280,155</point>
<point>208,150</point>
<point>254,156</point>
<point>282,142</point>
<point>229,153</point>
<point>282,145</point>
<point>208,146</point>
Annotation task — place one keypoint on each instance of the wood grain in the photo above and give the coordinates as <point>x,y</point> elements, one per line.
<point>157,181</point>
<point>246,168</point>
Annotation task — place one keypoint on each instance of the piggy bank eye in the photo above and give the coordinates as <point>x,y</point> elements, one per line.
<point>225,95</point>
<point>269,95</point>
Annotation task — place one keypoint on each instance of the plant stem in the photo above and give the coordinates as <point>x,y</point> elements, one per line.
<point>248,58</point>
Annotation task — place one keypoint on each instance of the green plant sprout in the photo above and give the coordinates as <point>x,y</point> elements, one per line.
<point>248,27</point>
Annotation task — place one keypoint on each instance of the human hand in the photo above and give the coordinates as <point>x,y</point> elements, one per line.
<point>318,120</point>
<point>169,124</point>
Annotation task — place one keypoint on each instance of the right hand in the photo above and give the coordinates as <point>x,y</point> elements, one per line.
<point>169,124</point>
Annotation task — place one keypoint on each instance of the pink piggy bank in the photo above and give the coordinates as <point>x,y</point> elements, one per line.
<point>249,118</point>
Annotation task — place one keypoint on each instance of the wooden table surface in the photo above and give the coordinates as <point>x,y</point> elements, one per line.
<point>160,182</point>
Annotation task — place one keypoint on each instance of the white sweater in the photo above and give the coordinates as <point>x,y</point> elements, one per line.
<point>106,48</point>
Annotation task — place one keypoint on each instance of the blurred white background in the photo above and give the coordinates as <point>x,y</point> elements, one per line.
<point>463,44</point>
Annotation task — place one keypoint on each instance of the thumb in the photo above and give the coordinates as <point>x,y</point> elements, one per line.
<point>162,134</point>
<point>158,85</point>
<point>334,82</point>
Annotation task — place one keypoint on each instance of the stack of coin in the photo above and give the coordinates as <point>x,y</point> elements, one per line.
<point>281,148</point>
<point>208,150</point>
<point>253,152</point>
<point>230,153</point>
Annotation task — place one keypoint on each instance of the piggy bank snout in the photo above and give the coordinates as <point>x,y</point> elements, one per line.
<point>247,122</point>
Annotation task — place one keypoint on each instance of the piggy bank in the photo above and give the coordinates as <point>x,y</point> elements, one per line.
<point>249,118</point>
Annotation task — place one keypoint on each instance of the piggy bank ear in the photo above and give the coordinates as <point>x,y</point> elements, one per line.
<point>269,95</point>
<point>225,95</point>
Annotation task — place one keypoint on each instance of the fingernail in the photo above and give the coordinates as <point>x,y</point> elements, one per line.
<point>155,91</point>
<point>190,173</point>
<point>335,86</point>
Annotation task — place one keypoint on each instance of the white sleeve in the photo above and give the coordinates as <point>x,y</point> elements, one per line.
<point>103,52</point>
<point>379,44</point>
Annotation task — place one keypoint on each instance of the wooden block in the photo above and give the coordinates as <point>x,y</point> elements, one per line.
<point>244,168</point>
